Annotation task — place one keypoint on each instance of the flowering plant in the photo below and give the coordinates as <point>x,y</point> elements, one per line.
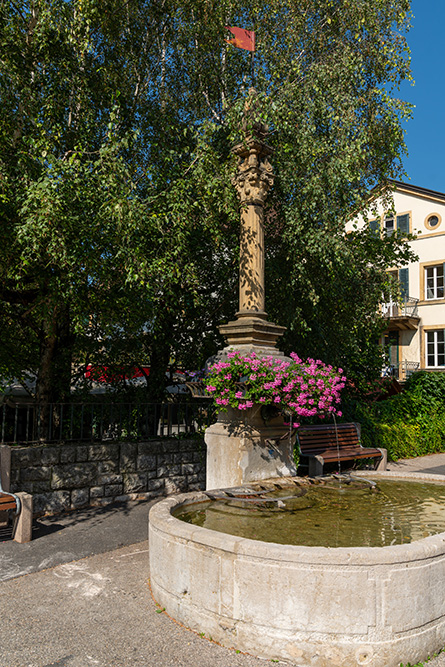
<point>297,387</point>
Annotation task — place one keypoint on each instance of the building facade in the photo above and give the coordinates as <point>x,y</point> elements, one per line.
<point>415,336</point>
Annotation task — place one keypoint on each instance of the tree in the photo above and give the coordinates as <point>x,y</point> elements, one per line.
<point>116,200</point>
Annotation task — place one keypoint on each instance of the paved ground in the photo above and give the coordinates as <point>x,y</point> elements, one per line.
<point>64,538</point>
<point>433,464</point>
<point>78,596</point>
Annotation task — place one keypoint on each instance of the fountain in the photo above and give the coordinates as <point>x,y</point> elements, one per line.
<point>314,606</point>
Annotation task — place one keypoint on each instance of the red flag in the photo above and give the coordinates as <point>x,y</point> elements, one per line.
<point>244,39</point>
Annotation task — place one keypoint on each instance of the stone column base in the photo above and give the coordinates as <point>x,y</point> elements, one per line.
<point>252,330</point>
<point>241,448</point>
<point>23,526</point>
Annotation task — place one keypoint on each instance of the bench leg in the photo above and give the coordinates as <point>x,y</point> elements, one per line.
<point>5,472</point>
<point>22,530</point>
<point>316,464</point>
<point>382,464</point>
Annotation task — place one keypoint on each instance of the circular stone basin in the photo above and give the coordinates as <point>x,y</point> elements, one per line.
<point>328,512</point>
<point>311,605</point>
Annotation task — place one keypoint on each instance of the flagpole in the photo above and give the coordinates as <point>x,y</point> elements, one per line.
<point>253,70</point>
<point>253,57</point>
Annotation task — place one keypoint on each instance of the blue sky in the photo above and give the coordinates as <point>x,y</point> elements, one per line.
<point>425,132</point>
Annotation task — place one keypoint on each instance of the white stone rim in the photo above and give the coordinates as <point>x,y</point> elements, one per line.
<point>162,520</point>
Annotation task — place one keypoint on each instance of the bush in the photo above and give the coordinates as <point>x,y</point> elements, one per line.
<point>431,386</point>
<point>408,425</point>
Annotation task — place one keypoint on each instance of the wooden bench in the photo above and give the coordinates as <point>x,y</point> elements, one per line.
<point>9,502</point>
<point>330,443</point>
<point>17,504</point>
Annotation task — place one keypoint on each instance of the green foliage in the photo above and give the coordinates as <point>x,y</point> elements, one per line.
<point>430,386</point>
<point>409,424</point>
<point>119,221</point>
<point>329,160</point>
<point>421,664</point>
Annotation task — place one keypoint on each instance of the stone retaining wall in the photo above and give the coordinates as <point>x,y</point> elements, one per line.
<point>62,476</point>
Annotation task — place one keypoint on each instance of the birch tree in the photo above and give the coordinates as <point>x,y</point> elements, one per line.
<point>116,204</point>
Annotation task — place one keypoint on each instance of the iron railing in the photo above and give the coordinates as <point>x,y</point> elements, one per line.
<point>64,422</point>
<point>408,308</point>
<point>402,370</point>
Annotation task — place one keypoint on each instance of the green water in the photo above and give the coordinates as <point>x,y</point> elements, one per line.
<point>329,514</point>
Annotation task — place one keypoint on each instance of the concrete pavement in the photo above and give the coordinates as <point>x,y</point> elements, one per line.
<point>98,612</point>
<point>78,595</point>
<point>433,464</point>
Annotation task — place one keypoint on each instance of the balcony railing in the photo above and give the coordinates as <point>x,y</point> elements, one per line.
<point>408,308</point>
<point>402,370</point>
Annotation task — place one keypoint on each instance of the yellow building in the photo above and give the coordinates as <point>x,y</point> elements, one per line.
<point>416,327</point>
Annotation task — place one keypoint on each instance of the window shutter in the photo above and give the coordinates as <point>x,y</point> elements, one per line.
<point>403,223</point>
<point>374,227</point>
<point>404,283</point>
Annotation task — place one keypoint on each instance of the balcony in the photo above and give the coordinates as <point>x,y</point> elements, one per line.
<point>402,370</point>
<point>403,315</point>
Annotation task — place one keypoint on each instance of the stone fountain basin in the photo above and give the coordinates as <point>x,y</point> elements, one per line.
<point>311,606</point>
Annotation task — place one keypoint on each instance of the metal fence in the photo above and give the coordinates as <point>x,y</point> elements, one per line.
<point>64,422</point>
<point>402,371</point>
<point>409,308</point>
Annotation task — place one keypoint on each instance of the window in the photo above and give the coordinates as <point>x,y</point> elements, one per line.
<point>435,348</point>
<point>434,282</point>
<point>392,307</point>
<point>388,225</point>
<point>399,222</point>
<point>374,227</point>
<point>403,223</point>
<point>432,222</point>
<point>404,283</point>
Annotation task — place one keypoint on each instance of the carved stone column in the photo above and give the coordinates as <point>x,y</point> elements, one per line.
<point>253,180</point>
<point>241,446</point>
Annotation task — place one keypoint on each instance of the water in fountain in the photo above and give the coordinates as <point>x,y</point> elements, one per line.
<point>335,512</point>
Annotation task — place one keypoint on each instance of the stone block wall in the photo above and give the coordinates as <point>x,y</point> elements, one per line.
<point>68,476</point>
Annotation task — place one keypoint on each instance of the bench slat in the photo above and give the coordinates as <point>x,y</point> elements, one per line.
<point>345,450</point>
<point>332,443</point>
<point>7,502</point>
<point>347,455</point>
<point>328,443</point>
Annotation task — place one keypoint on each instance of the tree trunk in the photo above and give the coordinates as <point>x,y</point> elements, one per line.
<point>54,374</point>
<point>159,360</point>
